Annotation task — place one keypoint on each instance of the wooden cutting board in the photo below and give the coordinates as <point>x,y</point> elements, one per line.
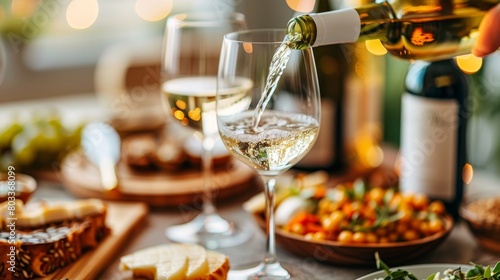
<point>159,189</point>
<point>123,218</point>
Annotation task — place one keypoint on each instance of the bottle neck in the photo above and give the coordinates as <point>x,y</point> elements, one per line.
<point>301,32</point>
<point>349,25</point>
<point>341,26</point>
<point>438,79</point>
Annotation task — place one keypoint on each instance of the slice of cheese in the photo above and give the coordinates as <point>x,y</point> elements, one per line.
<point>42,213</point>
<point>197,258</point>
<point>171,261</point>
<point>163,262</point>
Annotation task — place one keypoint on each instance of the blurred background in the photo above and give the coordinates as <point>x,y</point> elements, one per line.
<point>109,50</point>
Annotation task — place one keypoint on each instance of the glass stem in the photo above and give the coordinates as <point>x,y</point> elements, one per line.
<point>208,207</point>
<point>270,256</point>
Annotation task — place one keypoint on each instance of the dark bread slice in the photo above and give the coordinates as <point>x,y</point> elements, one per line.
<point>41,250</point>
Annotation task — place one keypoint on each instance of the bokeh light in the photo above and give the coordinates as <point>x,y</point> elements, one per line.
<point>304,6</point>
<point>153,10</point>
<point>180,104</point>
<point>81,14</point>
<point>24,8</point>
<point>195,114</point>
<point>248,47</point>
<point>367,149</point>
<point>178,114</point>
<point>375,47</point>
<point>467,173</point>
<point>469,63</point>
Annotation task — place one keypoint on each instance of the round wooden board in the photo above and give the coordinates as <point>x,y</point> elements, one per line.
<point>157,188</point>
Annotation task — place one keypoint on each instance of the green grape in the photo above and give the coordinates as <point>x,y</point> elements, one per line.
<point>74,136</point>
<point>39,143</point>
<point>71,141</point>
<point>33,135</point>
<point>23,151</point>
<point>55,122</point>
<point>49,139</point>
<point>8,134</point>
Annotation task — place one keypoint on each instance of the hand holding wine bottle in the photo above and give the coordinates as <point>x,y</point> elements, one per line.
<point>488,40</point>
<point>437,31</point>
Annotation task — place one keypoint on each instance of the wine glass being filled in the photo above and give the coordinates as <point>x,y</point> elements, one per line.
<point>268,112</point>
<point>191,52</point>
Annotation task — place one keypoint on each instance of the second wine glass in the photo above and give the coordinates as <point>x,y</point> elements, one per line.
<point>189,73</point>
<point>268,111</point>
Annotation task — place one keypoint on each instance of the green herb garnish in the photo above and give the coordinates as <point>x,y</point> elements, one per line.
<point>479,272</point>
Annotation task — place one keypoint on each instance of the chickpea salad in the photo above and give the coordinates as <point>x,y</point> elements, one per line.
<point>356,212</point>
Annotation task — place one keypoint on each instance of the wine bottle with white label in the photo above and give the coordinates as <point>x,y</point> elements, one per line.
<point>433,131</point>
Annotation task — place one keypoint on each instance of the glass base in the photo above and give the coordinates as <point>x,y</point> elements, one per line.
<point>277,271</point>
<point>210,231</point>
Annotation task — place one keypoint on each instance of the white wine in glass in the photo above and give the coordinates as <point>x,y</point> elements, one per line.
<point>189,77</point>
<point>272,125</point>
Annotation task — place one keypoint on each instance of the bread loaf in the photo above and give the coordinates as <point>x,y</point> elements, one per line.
<point>46,237</point>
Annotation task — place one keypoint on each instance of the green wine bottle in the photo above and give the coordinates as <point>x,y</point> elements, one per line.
<point>350,81</point>
<point>433,131</point>
<point>328,153</point>
<point>424,30</point>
